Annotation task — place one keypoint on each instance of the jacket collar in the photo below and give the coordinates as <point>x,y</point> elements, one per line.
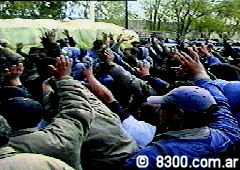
<point>196,133</point>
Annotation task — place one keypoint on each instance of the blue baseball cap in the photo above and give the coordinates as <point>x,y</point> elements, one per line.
<point>188,98</point>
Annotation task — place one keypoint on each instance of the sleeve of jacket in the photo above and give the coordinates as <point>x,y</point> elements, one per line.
<point>72,42</point>
<point>126,79</point>
<point>118,60</point>
<point>223,118</point>
<point>63,138</point>
<point>160,86</point>
<point>73,102</point>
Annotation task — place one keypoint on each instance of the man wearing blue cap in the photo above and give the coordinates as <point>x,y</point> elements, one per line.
<point>196,122</point>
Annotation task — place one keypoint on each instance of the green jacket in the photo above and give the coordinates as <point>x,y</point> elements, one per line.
<point>139,88</point>
<point>71,138</point>
<point>107,144</point>
<point>10,159</point>
<point>63,138</point>
<point>124,78</point>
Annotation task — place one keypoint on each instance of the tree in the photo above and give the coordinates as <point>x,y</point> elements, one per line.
<point>30,9</point>
<point>230,14</point>
<point>184,12</point>
<point>110,10</point>
<point>151,10</point>
<point>209,24</point>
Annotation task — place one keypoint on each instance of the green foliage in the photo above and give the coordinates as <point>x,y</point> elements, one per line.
<point>180,16</point>
<point>110,10</point>
<point>31,9</point>
<point>185,12</point>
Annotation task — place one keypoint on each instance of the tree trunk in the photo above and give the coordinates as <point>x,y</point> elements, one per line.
<point>156,7</point>
<point>151,24</point>
<point>159,23</point>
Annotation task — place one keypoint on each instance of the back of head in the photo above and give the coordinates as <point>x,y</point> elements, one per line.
<point>225,72</point>
<point>11,56</point>
<point>97,44</point>
<point>22,112</point>
<point>8,92</point>
<point>43,66</point>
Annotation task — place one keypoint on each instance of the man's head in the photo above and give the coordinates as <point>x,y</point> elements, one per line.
<point>226,71</point>
<point>98,45</point>
<point>8,59</point>
<point>11,58</point>
<point>183,107</point>
<point>210,47</point>
<point>19,46</point>
<point>42,65</point>
<point>21,112</point>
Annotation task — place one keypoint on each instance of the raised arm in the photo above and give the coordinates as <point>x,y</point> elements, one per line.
<point>63,138</point>
<point>223,119</point>
<point>125,78</point>
<point>103,93</point>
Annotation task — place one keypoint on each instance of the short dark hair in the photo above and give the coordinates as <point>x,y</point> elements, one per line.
<point>22,112</point>
<point>97,44</point>
<point>225,72</point>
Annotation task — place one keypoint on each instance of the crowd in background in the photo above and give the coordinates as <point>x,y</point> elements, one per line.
<point>63,107</point>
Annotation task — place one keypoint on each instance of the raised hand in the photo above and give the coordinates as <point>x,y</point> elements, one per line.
<point>49,36</point>
<point>88,72</point>
<point>142,69</point>
<point>47,85</point>
<point>204,50</point>
<point>121,39</point>
<point>191,66</point>
<point>14,71</point>
<point>110,57</point>
<point>63,67</point>
<point>66,32</point>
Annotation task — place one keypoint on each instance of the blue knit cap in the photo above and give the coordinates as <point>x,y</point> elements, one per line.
<point>188,98</point>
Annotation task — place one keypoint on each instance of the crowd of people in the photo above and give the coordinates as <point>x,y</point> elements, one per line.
<point>62,107</point>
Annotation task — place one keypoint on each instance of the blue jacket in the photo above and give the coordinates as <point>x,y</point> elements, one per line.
<point>215,141</point>
<point>231,89</point>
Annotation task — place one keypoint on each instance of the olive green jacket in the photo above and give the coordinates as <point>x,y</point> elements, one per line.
<point>107,144</point>
<point>85,132</point>
<point>63,138</point>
